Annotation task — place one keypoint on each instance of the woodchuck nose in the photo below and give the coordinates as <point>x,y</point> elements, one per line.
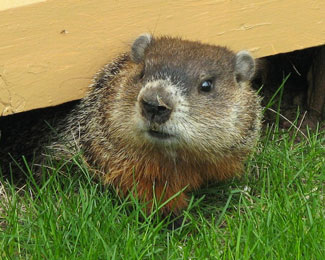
<point>169,115</point>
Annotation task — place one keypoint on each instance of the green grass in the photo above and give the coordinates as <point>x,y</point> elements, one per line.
<point>275,211</point>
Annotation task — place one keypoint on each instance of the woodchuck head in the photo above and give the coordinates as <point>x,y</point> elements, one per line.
<point>187,96</point>
<point>171,114</point>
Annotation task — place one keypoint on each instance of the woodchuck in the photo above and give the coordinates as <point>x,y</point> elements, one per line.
<point>169,115</point>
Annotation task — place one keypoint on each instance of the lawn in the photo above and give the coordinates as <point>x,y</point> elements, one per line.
<point>274,211</point>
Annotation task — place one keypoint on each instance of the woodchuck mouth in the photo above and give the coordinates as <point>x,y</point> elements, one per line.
<point>158,134</point>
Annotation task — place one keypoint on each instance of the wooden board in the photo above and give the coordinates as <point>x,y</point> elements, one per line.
<point>49,51</point>
<point>9,4</point>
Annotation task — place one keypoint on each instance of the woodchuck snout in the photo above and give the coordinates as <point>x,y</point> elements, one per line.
<point>169,115</point>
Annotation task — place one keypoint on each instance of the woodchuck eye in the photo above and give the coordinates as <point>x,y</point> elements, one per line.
<point>206,86</point>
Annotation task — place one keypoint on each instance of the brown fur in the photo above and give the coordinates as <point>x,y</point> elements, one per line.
<point>164,178</point>
<point>214,131</point>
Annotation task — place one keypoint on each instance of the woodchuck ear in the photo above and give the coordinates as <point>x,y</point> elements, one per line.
<point>139,46</point>
<point>244,66</point>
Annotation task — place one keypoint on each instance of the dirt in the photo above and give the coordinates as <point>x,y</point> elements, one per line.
<point>284,83</point>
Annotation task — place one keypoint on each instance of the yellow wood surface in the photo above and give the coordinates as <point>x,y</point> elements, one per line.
<point>8,4</point>
<point>49,51</point>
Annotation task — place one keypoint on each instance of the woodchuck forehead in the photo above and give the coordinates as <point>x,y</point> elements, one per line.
<point>176,57</point>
